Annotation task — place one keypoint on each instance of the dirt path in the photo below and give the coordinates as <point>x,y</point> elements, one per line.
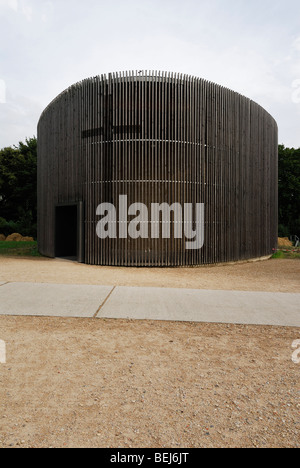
<point>119,383</point>
<point>270,275</point>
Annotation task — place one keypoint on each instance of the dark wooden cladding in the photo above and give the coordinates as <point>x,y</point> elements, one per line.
<point>159,138</point>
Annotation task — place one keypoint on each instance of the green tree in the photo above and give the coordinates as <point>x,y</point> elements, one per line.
<point>289,191</point>
<point>18,193</point>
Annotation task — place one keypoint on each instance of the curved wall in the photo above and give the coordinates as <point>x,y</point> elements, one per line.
<point>158,138</point>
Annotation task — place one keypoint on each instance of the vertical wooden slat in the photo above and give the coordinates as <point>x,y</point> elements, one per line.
<point>160,137</point>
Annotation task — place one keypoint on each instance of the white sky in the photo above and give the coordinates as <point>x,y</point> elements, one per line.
<point>252,47</point>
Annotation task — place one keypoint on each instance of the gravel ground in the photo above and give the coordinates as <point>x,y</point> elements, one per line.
<point>120,383</point>
<point>279,275</point>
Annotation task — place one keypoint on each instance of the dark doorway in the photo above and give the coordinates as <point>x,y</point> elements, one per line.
<point>66,231</point>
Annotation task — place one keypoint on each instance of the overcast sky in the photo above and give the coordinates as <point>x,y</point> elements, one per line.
<point>252,47</point>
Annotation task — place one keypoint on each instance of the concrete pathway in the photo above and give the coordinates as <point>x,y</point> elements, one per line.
<point>52,300</point>
<point>192,305</point>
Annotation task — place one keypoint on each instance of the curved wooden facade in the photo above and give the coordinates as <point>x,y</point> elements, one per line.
<point>156,138</point>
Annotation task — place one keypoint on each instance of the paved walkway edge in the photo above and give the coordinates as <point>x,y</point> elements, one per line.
<point>240,307</point>
<point>140,303</point>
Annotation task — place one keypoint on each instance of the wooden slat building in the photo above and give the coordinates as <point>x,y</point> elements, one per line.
<point>156,137</point>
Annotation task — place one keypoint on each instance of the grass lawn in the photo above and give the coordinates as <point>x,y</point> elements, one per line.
<point>27,249</point>
<point>287,252</point>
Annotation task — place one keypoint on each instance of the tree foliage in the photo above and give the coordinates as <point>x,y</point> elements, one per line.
<point>289,191</point>
<point>18,188</point>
